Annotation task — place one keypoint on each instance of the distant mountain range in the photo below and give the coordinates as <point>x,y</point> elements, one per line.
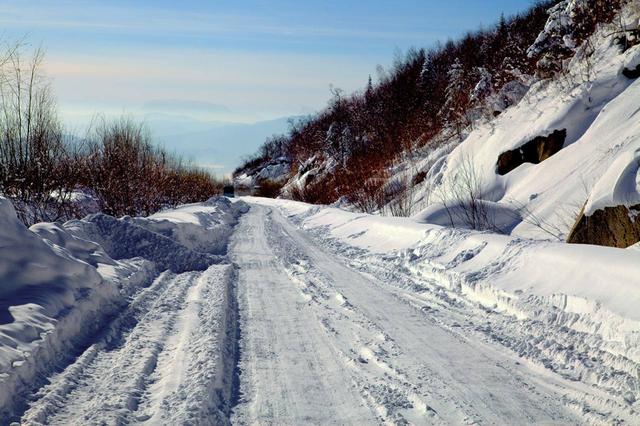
<point>218,146</point>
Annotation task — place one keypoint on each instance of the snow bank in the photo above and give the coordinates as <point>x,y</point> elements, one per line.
<point>204,227</point>
<point>567,300</point>
<point>188,238</point>
<point>50,300</point>
<point>541,267</point>
<point>375,233</point>
<point>59,283</point>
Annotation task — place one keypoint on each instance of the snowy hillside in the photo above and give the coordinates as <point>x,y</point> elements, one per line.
<point>595,104</point>
<point>521,158</point>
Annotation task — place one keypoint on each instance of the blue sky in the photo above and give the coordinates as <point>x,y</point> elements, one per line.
<point>227,60</point>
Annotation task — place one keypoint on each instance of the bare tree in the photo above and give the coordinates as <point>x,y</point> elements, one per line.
<point>35,169</point>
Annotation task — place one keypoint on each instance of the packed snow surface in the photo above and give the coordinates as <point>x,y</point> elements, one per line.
<point>89,308</point>
<point>287,313</point>
<point>567,314</point>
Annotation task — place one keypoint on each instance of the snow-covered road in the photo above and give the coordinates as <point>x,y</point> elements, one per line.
<point>322,343</point>
<point>154,362</point>
<point>291,325</point>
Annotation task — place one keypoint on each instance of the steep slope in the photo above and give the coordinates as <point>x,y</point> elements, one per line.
<point>595,104</point>
<point>524,166</point>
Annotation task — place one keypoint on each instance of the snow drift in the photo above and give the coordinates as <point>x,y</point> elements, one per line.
<point>571,309</point>
<point>60,283</point>
<point>49,300</point>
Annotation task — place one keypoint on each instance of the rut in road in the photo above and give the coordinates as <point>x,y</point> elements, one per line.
<point>322,342</point>
<point>157,361</point>
<point>319,342</point>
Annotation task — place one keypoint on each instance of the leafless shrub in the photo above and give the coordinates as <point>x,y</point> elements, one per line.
<point>461,197</point>
<point>268,188</point>
<point>400,192</point>
<point>363,184</point>
<point>41,169</point>
<point>545,225</point>
<point>369,196</point>
<point>36,167</point>
<point>132,176</point>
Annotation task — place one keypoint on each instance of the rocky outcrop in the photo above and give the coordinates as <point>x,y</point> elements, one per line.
<point>631,73</point>
<point>612,226</point>
<point>535,151</point>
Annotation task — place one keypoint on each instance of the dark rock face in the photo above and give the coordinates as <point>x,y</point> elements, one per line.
<point>632,74</point>
<point>612,226</point>
<point>535,151</point>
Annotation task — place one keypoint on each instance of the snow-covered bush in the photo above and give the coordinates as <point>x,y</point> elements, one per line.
<point>570,24</point>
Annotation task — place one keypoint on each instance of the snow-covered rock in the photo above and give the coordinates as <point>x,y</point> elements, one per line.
<point>619,186</point>
<point>275,170</point>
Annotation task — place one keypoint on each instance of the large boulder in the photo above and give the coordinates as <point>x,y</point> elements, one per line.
<point>611,215</point>
<point>535,151</point>
<point>611,226</point>
<point>631,73</point>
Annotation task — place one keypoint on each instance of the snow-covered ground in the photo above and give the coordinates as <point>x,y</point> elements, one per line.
<point>597,167</point>
<point>564,316</point>
<point>287,313</point>
<point>91,308</point>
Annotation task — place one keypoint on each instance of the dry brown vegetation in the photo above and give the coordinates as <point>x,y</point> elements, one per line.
<point>411,103</point>
<point>42,168</point>
<point>427,93</point>
<point>129,175</point>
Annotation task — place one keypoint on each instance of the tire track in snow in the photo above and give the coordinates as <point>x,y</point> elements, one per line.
<point>543,339</point>
<point>367,349</point>
<point>409,369</point>
<point>106,381</point>
<point>362,344</point>
<point>289,373</point>
<point>193,381</point>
